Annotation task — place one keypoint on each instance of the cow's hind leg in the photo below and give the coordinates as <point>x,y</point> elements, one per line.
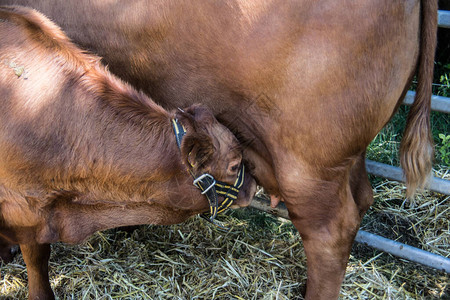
<point>324,212</point>
<point>36,258</point>
<point>360,185</point>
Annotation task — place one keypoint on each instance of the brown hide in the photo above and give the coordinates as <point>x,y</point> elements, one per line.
<point>81,151</point>
<point>304,85</point>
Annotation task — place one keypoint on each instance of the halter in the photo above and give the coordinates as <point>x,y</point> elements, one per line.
<point>209,186</point>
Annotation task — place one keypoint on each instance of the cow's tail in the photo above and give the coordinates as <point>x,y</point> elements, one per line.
<point>416,151</point>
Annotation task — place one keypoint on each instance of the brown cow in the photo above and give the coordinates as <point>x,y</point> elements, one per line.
<point>304,85</point>
<point>80,151</point>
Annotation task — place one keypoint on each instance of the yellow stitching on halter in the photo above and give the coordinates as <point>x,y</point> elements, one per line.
<point>227,195</point>
<point>227,186</point>
<point>212,210</point>
<point>240,178</point>
<point>189,161</point>
<point>225,204</point>
<point>175,126</point>
<point>240,185</point>
<point>199,185</point>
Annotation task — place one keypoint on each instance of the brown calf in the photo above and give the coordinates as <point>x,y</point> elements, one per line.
<point>80,151</point>
<point>304,85</point>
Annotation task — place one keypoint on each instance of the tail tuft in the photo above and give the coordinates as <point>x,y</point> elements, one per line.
<point>416,151</point>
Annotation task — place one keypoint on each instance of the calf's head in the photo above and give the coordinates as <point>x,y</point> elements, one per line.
<point>210,148</point>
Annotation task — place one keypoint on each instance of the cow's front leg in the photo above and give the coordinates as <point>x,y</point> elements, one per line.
<point>327,218</point>
<point>36,258</point>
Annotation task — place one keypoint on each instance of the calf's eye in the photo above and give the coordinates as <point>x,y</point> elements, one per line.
<point>234,168</point>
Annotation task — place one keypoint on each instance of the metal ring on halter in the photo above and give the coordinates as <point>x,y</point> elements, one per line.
<point>201,177</point>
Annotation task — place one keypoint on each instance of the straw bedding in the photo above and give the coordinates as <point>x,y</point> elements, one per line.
<point>261,257</point>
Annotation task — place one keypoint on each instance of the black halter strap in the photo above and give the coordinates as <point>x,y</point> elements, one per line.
<point>211,187</point>
<point>179,130</point>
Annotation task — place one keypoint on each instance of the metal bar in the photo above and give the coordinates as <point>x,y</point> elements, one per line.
<point>395,173</point>
<point>264,205</point>
<point>438,103</point>
<point>444,18</point>
<point>404,251</point>
<point>395,248</point>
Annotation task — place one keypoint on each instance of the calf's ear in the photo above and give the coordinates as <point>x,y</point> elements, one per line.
<point>197,146</point>
<point>195,117</point>
<point>197,150</point>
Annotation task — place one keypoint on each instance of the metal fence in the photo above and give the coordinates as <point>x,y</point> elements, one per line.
<point>438,103</point>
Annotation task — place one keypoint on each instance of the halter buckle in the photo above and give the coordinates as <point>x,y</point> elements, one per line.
<point>203,176</point>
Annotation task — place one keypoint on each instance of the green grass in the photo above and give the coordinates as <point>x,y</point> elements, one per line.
<point>442,79</point>
<point>385,147</point>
